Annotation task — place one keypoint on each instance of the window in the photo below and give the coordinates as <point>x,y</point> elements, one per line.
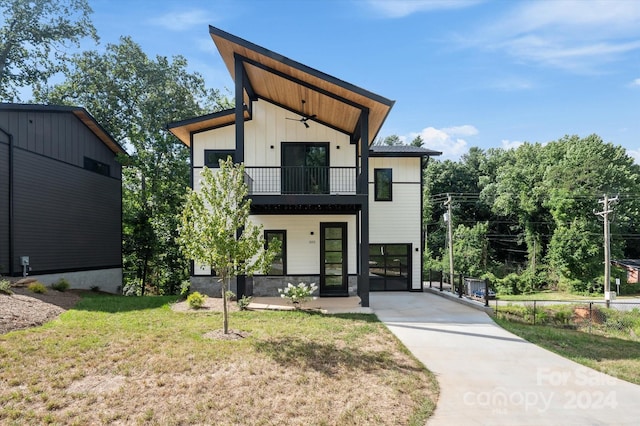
<point>305,168</point>
<point>96,166</point>
<point>382,184</point>
<point>212,157</point>
<point>279,264</point>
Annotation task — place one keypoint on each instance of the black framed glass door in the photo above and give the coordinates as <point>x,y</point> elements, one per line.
<point>333,259</point>
<point>305,168</point>
<point>389,267</point>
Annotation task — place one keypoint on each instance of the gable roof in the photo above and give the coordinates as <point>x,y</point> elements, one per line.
<point>401,151</point>
<point>286,83</point>
<point>79,112</point>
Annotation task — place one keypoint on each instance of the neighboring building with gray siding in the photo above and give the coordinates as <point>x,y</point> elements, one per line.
<point>60,196</point>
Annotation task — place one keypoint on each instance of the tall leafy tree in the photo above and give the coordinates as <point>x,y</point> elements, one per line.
<point>417,141</point>
<point>471,249</point>
<point>392,140</point>
<point>215,229</point>
<point>34,40</point>
<point>584,169</point>
<point>134,97</point>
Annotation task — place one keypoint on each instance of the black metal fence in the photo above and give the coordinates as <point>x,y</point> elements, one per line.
<point>301,180</point>
<point>461,285</point>
<point>614,318</point>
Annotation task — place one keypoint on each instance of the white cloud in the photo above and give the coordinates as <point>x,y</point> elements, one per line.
<point>635,83</point>
<point>574,35</point>
<point>507,144</point>
<point>635,154</point>
<point>401,8</point>
<point>449,140</point>
<point>181,21</point>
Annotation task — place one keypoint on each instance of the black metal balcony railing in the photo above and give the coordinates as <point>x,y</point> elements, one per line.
<point>301,180</point>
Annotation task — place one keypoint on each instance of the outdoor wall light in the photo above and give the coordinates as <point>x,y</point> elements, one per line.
<point>311,232</point>
<point>271,147</point>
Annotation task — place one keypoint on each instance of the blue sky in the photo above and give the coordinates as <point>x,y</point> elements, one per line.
<point>463,73</point>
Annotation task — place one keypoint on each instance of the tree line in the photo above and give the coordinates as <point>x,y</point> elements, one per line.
<point>526,217</point>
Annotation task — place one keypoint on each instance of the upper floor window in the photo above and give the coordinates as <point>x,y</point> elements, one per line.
<point>383,185</point>
<point>96,166</point>
<point>212,157</point>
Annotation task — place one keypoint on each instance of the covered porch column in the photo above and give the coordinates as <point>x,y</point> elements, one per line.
<point>363,189</point>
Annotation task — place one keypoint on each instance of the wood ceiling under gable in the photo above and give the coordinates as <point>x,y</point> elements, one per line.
<point>285,82</point>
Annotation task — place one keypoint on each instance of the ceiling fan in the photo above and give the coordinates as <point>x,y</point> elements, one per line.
<point>304,117</point>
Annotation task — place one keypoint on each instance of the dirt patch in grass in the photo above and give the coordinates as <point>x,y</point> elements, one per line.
<point>24,309</point>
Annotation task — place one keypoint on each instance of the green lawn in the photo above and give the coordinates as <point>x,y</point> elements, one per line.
<point>612,355</point>
<point>545,295</point>
<point>132,360</point>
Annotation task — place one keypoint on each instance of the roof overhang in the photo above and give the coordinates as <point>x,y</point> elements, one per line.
<point>185,128</point>
<point>98,130</point>
<point>401,151</point>
<point>80,113</point>
<point>286,83</point>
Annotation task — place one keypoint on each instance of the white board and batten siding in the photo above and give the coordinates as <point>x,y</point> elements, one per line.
<point>303,249</point>
<point>398,221</point>
<point>269,128</point>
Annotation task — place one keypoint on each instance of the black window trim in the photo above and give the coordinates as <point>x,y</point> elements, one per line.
<point>97,166</point>
<point>228,152</point>
<point>283,248</point>
<point>377,182</point>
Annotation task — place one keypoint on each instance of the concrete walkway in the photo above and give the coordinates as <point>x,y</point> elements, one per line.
<point>488,376</point>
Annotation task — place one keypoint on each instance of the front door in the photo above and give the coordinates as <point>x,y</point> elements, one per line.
<point>333,259</point>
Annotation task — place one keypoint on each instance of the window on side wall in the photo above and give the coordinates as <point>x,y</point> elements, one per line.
<point>96,166</point>
<point>279,264</point>
<point>212,157</point>
<point>383,185</point>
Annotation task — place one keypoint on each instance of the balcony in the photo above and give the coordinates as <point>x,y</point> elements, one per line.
<point>301,180</point>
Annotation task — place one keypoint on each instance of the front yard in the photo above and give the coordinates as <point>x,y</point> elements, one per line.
<point>132,360</point>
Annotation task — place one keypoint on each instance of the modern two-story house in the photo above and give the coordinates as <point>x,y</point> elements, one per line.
<point>348,214</point>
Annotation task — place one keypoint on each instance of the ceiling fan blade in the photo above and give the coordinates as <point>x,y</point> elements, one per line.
<point>305,124</point>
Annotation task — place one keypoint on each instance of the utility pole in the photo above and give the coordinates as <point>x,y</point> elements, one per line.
<point>606,210</point>
<point>449,219</point>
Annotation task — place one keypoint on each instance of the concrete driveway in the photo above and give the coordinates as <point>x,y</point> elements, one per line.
<point>489,376</point>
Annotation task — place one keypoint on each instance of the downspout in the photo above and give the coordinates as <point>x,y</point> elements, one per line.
<point>11,232</point>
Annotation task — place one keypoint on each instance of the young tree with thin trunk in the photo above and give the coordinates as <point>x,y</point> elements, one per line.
<point>215,229</point>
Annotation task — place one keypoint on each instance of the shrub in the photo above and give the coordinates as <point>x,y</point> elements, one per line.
<point>5,287</point>
<point>243,302</point>
<point>196,300</point>
<point>60,285</point>
<point>298,294</point>
<point>37,287</point>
